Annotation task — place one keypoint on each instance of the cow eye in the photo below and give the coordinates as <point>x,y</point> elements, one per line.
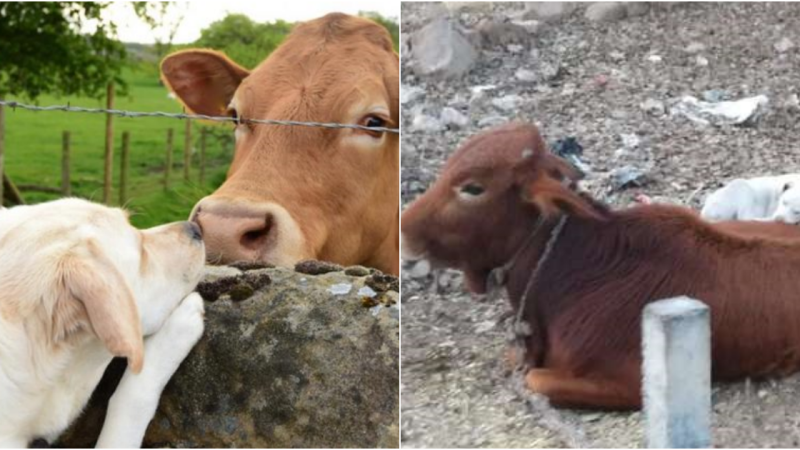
<point>373,121</point>
<point>472,189</point>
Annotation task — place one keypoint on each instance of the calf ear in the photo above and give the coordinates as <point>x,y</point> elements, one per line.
<point>546,181</point>
<point>553,197</point>
<point>91,280</point>
<point>204,80</point>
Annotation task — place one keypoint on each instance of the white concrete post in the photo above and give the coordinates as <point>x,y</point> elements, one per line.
<point>676,345</point>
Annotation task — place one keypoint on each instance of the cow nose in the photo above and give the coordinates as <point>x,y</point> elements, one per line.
<point>242,235</point>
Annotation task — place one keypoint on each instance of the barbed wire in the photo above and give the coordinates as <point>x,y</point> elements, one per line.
<point>118,112</point>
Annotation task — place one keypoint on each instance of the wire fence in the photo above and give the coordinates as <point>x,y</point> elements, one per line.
<point>68,108</point>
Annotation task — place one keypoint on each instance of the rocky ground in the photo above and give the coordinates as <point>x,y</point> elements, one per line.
<point>612,82</point>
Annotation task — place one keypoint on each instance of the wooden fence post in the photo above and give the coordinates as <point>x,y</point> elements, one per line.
<point>168,168</point>
<point>203,132</point>
<point>66,186</point>
<point>123,169</point>
<point>676,341</point>
<point>109,156</point>
<point>11,192</point>
<point>187,150</point>
<point>2,148</point>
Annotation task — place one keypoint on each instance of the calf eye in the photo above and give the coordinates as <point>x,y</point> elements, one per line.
<point>472,189</point>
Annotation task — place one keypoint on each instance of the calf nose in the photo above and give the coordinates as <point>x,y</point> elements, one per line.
<point>235,235</point>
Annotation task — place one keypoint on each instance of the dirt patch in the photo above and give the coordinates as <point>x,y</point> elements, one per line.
<point>611,86</point>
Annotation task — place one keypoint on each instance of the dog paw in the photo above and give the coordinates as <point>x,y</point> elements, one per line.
<point>186,322</point>
<point>179,334</point>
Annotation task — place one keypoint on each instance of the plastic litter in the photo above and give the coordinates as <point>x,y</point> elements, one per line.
<point>569,149</point>
<point>627,176</point>
<point>745,111</point>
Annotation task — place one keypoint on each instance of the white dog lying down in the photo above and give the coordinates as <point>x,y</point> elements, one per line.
<point>789,205</point>
<point>747,199</point>
<point>78,286</point>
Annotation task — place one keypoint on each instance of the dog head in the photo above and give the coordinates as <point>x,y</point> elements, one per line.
<point>71,268</point>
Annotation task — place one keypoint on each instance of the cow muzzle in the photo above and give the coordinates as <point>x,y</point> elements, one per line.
<point>238,231</point>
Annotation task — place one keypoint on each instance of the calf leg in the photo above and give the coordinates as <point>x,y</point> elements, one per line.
<point>135,400</point>
<point>567,391</point>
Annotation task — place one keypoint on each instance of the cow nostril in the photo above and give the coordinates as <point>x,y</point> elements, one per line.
<point>256,238</point>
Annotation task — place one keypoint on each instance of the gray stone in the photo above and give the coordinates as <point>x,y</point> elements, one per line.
<point>635,9</point>
<point>491,121</point>
<point>606,11</point>
<point>496,33</point>
<point>654,107</point>
<point>547,11</point>
<point>453,118</point>
<point>439,50</point>
<point>290,366</point>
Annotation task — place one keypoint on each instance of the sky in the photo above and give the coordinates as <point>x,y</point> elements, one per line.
<point>199,14</point>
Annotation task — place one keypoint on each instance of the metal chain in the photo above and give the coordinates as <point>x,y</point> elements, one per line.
<point>68,108</point>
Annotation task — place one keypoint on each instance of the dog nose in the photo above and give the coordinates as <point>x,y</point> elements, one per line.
<point>194,231</point>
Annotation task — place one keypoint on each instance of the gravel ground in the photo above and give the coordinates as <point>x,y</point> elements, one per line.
<point>591,81</point>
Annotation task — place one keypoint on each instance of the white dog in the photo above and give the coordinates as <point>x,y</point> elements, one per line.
<point>78,286</point>
<point>788,210</point>
<point>747,199</point>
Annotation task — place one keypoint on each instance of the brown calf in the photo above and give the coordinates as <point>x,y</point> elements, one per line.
<point>587,299</point>
<point>297,193</point>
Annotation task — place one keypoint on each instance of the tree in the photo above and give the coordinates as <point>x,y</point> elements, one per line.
<point>42,49</point>
<point>389,23</point>
<point>243,40</point>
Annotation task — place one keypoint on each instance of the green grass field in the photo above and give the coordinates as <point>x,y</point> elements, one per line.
<point>33,151</point>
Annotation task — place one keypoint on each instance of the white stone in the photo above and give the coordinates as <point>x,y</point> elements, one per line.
<point>424,122</point>
<point>525,75</point>
<point>507,102</point>
<point>452,117</point>
<point>409,94</point>
<point>340,289</point>
<point>695,47</point>
<point>784,45</point>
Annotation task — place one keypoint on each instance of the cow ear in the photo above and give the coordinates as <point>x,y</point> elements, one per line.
<point>204,80</point>
<point>92,288</point>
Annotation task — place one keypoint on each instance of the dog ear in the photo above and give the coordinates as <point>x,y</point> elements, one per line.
<point>90,281</point>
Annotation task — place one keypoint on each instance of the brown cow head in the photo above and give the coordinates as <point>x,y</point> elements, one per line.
<point>292,192</point>
<point>487,200</point>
